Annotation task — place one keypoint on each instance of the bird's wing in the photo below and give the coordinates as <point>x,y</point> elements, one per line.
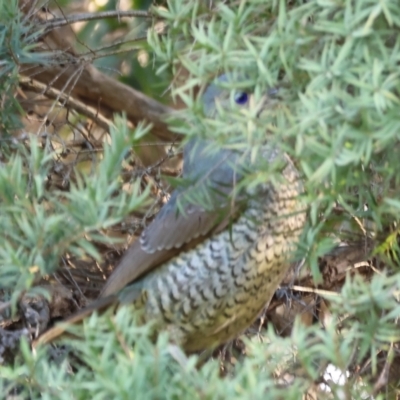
<point>181,221</point>
<point>173,228</point>
<point>189,231</point>
<point>173,231</point>
<point>167,235</point>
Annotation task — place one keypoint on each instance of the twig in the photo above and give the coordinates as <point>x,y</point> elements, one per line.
<point>383,378</point>
<point>82,108</point>
<point>72,19</point>
<point>313,290</point>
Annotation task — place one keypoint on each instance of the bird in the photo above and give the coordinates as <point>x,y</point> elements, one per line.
<point>205,272</point>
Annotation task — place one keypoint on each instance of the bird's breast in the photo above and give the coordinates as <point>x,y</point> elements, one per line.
<point>211,293</point>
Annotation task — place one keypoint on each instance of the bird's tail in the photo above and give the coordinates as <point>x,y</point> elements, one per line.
<point>55,332</point>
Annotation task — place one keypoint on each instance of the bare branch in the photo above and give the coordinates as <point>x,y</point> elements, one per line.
<point>109,95</point>
<point>72,19</point>
<point>69,101</point>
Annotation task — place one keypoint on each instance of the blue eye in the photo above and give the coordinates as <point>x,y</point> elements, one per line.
<point>241,98</point>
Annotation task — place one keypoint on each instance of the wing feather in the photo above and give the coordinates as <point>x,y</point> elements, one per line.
<point>172,231</point>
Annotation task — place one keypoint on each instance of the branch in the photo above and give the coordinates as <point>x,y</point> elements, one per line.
<point>67,100</point>
<point>72,19</point>
<point>86,84</point>
<point>108,95</point>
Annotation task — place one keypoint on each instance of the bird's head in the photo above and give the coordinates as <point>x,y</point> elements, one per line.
<point>218,95</point>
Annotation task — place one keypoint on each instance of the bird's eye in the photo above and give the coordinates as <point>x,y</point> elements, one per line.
<point>241,98</point>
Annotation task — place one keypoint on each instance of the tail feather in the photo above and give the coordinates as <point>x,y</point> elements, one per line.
<point>53,333</point>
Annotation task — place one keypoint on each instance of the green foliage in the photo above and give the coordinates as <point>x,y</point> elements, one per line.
<point>40,226</point>
<point>336,67</point>
<point>10,51</point>
<point>118,361</point>
<point>115,359</point>
<point>336,64</point>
